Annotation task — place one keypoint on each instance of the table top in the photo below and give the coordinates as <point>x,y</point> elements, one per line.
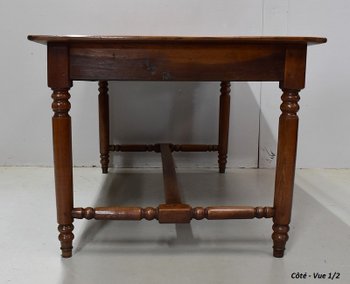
<point>44,39</point>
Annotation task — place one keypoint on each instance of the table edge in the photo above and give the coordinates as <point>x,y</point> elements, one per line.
<point>45,39</point>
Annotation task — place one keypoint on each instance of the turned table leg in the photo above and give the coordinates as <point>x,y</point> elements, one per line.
<point>62,150</point>
<point>60,82</point>
<point>285,169</point>
<point>103,108</point>
<point>224,121</point>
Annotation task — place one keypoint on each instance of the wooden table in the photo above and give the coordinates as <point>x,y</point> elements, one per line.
<point>223,59</point>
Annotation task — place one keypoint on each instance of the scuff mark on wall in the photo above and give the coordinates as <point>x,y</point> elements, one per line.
<point>269,155</point>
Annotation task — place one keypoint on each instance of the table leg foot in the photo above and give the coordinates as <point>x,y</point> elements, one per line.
<point>104,163</point>
<point>66,238</point>
<point>222,165</point>
<point>280,238</point>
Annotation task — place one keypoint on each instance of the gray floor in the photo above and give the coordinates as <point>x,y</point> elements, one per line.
<point>234,251</point>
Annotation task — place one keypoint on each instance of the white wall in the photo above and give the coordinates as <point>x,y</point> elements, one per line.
<point>178,112</point>
<point>324,135</point>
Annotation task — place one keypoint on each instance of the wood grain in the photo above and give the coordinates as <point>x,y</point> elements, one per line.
<point>173,213</point>
<point>162,62</point>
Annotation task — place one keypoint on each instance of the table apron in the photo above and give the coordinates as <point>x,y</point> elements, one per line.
<point>178,63</point>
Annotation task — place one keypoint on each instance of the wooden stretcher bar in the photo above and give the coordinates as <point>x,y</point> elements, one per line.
<point>151,213</point>
<point>156,148</point>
